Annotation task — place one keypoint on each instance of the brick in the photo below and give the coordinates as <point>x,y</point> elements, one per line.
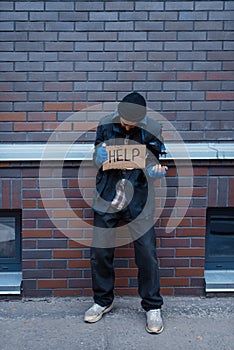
<point>89,26</point>
<point>51,284</point>
<point>59,66</point>
<point>6,106</point>
<point>29,26</point>
<point>28,46</point>
<point>58,106</point>
<point>178,26</point>
<point>43,16</point>
<point>88,66</point>
<point>89,46</point>
<point>117,86</point>
<point>148,46</point>
<point>57,86</point>
<point>212,45</point>
<point>192,36</point>
<point>220,55</point>
<point>6,46</point>
<point>208,25</point>
<point>148,66</point>
<point>209,105</point>
<point>103,56</point>
<point>191,96</point>
<point>119,6</point>
<point>59,46</point>
<point>4,127</point>
<point>221,15</point>
<point>36,254</point>
<point>89,6</point>
<point>229,5</point>
<point>28,106</point>
<point>134,76</point>
<point>42,36</point>
<point>42,56</point>
<point>181,272</point>
<point>148,26</point>
<point>207,66</point>
<point>6,66</point>
<point>99,76</point>
<point>13,56</point>
<point>42,76</point>
<point>174,281</point>
<point>13,96</point>
<point>41,116</point>
<point>28,66</point>
<point>198,242</point>
<point>126,36</point>
<point>73,36</point>
<point>13,16</point>
<point>5,86</point>
<point>13,36</point>
<point>118,46</point>
<point>61,5</point>
<point>72,76</point>
<point>51,243</point>
<point>175,242</point>
<point>6,26</point>
<point>103,16</point>
<point>73,16</point>
<point>118,66</point>
<point>6,5</point>
<point>12,116</point>
<point>60,26</point>
<point>177,66</point>
<point>29,6</point>
<point>207,5</point>
<point>119,26</point>
<point>133,16</point>
<point>149,5</point>
<point>222,95</point>
<point>184,252</point>
<point>177,86</point>
<point>164,36</point>
<point>162,16</point>
<point>178,46</point>
<point>190,232</point>
<point>193,16</point>
<point>102,36</point>
<point>85,263</point>
<point>178,5</point>
<point>68,253</point>
<point>190,76</point>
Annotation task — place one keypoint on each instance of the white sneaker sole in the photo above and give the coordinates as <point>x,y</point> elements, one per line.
<point>93,319</point>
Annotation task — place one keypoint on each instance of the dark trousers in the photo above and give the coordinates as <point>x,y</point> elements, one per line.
<point>103,274</point>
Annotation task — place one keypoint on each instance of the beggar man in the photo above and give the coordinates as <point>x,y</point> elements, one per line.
<point>127,195</point>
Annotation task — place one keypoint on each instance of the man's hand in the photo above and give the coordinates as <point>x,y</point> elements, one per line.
<point>102,155</point>
<point>157,171</point>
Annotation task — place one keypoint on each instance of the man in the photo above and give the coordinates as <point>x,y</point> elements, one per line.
<point>126,195</point>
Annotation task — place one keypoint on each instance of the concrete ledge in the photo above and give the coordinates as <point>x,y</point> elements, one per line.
<point>60,151</point>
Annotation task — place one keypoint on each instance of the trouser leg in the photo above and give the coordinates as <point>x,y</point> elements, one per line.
<point>148,271</point>
<point>102,256</point>
<point>103,275</point>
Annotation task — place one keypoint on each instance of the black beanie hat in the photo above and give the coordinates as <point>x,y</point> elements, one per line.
<point>132,107</point>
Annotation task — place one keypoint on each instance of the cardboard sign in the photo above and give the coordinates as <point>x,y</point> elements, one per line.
<point>125,156</point>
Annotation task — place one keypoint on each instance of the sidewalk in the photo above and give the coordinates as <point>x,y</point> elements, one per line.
<point>57,323</point>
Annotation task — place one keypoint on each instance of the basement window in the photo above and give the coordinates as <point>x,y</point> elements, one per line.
<point>10,252</point>
<point>219,263</point>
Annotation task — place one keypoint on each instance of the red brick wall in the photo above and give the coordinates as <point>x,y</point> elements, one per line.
<point>56,55</point>
<point>54,264</point>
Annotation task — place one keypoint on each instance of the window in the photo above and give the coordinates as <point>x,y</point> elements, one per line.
<point>10,240</point>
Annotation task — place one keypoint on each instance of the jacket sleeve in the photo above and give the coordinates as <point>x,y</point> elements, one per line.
<point>98,142</point>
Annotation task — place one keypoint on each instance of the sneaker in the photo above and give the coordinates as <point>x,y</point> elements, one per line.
<point>96,312</point>
<point>154,323</point>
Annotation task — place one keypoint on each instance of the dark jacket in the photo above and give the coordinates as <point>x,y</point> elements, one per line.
<point>148,132</point>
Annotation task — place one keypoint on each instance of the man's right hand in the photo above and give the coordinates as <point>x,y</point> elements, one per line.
<point>102,155</point>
